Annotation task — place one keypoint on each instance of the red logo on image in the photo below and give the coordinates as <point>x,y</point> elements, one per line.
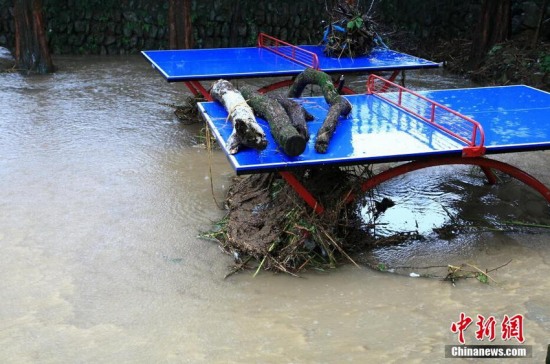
<point>460,326</point>
<point>486,328</point>
<point>511,327</point>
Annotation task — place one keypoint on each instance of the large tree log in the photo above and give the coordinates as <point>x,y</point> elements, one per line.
<point>31,46</point>
<point>339,106</point>
<point>180,29</point>
<point>246,130</point>
<point>324,134</point>
<point>297,114</point>
<point>494,26</point>
<point>284,133</point>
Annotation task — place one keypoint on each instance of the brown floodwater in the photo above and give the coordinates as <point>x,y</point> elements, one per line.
<point>103,194</point>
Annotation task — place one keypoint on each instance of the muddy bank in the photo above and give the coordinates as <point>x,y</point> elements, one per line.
<point>515,61</point>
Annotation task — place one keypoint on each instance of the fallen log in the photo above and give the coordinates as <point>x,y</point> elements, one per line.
<point>297,114</point>
<point>339,106</point>
<point>287,137</point>
<point>246,130</point>
<point>324,134</point>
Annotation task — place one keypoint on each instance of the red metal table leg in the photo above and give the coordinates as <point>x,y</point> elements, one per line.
<point>302,192</point>
<point>491,177</point>
<point>394,76</point>
<point>485,163</point>
<point>391,79</point>
<point>197,89</point>
<point>191,87</point>
<point>347,91</point>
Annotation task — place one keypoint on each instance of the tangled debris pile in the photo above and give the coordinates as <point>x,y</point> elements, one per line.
<point>269,227</point>
<point>350,32</point>
<point>269,224</point>
<point>187,113</point>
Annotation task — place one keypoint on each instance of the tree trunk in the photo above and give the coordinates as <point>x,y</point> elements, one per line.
<point>31,47</point>
<point>539,25</point>
<point>246,131</point>
<point>297,114</point>
<point>179,24</point>
<point>284,133</point>
<point>494,26</point>
<point>236,18</point>
<point>339,106</point>
<point>324,134</point>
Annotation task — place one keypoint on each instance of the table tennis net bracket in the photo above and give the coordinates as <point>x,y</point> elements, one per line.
<point>451,122</point>
<point>289,51</point>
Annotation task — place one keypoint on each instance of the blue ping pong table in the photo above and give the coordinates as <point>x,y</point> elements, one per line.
<point>391,123</point>
<point>271,58</point>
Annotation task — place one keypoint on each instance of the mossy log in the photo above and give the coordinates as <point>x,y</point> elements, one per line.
<point>297,114</point>
<point>339,106</point>
<point>246,130</point>
<point>287,137</point>
<point>324,134</point>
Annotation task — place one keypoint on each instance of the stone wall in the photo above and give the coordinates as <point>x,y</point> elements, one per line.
<point>237,23</point>
<point>128,26</point>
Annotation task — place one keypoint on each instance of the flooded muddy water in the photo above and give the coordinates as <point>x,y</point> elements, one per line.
<point>104,193</point>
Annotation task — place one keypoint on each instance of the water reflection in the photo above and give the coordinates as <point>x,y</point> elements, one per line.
<point>450,214</point>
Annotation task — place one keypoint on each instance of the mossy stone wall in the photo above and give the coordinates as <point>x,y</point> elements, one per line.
<point>128,26</point>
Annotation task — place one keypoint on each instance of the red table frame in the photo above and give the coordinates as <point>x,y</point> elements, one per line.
<point>487,166</point>
<point>472,153</point>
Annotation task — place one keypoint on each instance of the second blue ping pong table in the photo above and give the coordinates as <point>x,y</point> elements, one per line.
<point>271,58</point>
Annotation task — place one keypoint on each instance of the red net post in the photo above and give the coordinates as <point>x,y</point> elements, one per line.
<point>451,122</point>
<point>289,51</point>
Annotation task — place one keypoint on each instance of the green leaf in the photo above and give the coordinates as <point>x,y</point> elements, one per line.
<point>482,278</point>
<point>545,63</point>
<point>355,23</point>
<point>495,49</point>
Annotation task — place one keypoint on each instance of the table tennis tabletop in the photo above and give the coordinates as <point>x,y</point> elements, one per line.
<point>233,63</point>
<point>514,119</point>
